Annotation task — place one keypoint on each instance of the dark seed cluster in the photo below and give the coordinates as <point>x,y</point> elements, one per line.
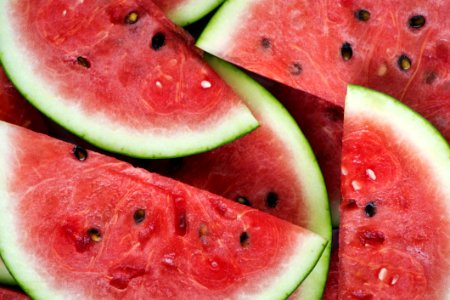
<point>272,200</point>
<point>265,43</point>
<point>370,209</point>
<point>417,21</point>
<point>244,239</point>
<point>84,62</point>
<point>139,216</point>
<point>80,153</point>
<point>94,234</point>
<point>158,41</point>
<point>404,62</point>
<point>362,15</point>
<point>346,51</point>
<point>132,18</point>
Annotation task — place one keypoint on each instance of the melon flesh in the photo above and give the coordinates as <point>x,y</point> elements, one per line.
<point>272,169</point>
<point>185,12</point>
<point>395,213</point>
<point>321,45</point>
<point>120,75</point>
<point>100,228</point>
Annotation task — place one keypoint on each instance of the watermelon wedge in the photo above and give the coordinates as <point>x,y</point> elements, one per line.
<point>185,12</point>
<point>120,75</point>
<point>272,169</point>
<point>397,47</point>
<point>10,294</point>
<point>98,228</point>
<point>395,214</point>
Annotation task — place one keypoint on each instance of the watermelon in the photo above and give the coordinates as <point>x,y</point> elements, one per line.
<point>98,228</point>
<point>397,47</point>
<point>395,214</point>
<point>185,12</point>
<point>321,122</point>
<point>10,294</point>
<point>15,109</point>
<point>120,75</point>
<point>272,169</point>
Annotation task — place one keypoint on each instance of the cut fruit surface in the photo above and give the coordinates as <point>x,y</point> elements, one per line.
<point>120,75</point>
<point>397,47</point>
<point>272,169</point>
<point>100,228</point>
<point>395,214</point>
<point>185,12</point>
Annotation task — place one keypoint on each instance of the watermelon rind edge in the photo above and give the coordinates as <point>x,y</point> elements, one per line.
<point>191,11</point>
<point>102,130</point>
<point>259,99</point>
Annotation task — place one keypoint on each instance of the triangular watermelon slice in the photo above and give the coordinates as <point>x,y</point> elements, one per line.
<point>80,225</point>
<point>395,215</point>
<point>120,75</point>
<point>185,12</point>
<point>272,169</point>
<point>397,47</point>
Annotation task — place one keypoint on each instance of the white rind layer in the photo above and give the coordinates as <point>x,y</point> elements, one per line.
<point>309,176</point>
<point>33,278</point>
<point>101,130</point>
<point>191,10</point>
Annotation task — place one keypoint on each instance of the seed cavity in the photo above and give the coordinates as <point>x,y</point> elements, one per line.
<point>371,238</point>
<point>350,204</point>
<point>95,235</point>
<point>265,43</point>
<point>272,200</point>
<point>132,18</point>
<point>82,61</point>
<point>404,62</point>
<point>139,216</point>
<point>244,239</point>
<point>346,51</point>
<point>180,216</point>
<point>206,84</point>
<point>370,209</point>
<point>243,200</point>
<point>295,69</point>
<point>80,153</point>
<point>417,21</point>
<point>430,77</point>
<point>362,15</point>
<point>158,41</point>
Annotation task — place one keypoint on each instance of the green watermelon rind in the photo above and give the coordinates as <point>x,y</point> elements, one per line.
<point>6,277</point>
<point>34,279</point>
<point>191,11</point>
<point>215,38</point>
<point>102,130</point>
<point>410,127</point>
<point>312,183</point>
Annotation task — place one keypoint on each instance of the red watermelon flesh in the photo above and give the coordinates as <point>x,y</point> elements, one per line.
<point>100,228</point>
<point>10,294</point>
<point>398,47</point>
<point>119,68</point>
<point>321,122</point>
<point>332,286</point>
<point>395,214</point>
<point>15,109</point>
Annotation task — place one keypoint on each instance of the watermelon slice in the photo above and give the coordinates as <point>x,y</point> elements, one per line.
<point>395,216</point>
<point>98,228</point>
<point>15,109</point>
<point>10,294</point>
<point>321,122</point>
<point>397,47</point>
<point>185,12</point>
<point>272,169</point>
<point>120,75</point>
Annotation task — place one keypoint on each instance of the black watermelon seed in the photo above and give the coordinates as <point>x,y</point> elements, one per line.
<point>272,200</point>
<point>295,69</point>
<point>132,18</point>
<point>417,21</point>
<point>83,62</point>
<point>80,153</point>
<point>158,40</point>
<point>370,209</point>
<point>94,235</point>
<point>244,239</point>
<point>265,43</point>
<point>362,15</point>
<point>404,62</point>
<point>139,215</point>
<point>430,77</point>
<point>346,51</point>
<point>243,200</point>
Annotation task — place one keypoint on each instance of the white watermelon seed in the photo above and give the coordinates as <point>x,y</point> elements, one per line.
<point>64,12</point>
<point>395,279</point>
<point>371,174</point>
<point>356,185</point>
<point>214,264</point>
<point>382,274</point>
<point>158,84</point>
<point>344,171</point>
<point>382,70</point>
<point>206,84</point>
